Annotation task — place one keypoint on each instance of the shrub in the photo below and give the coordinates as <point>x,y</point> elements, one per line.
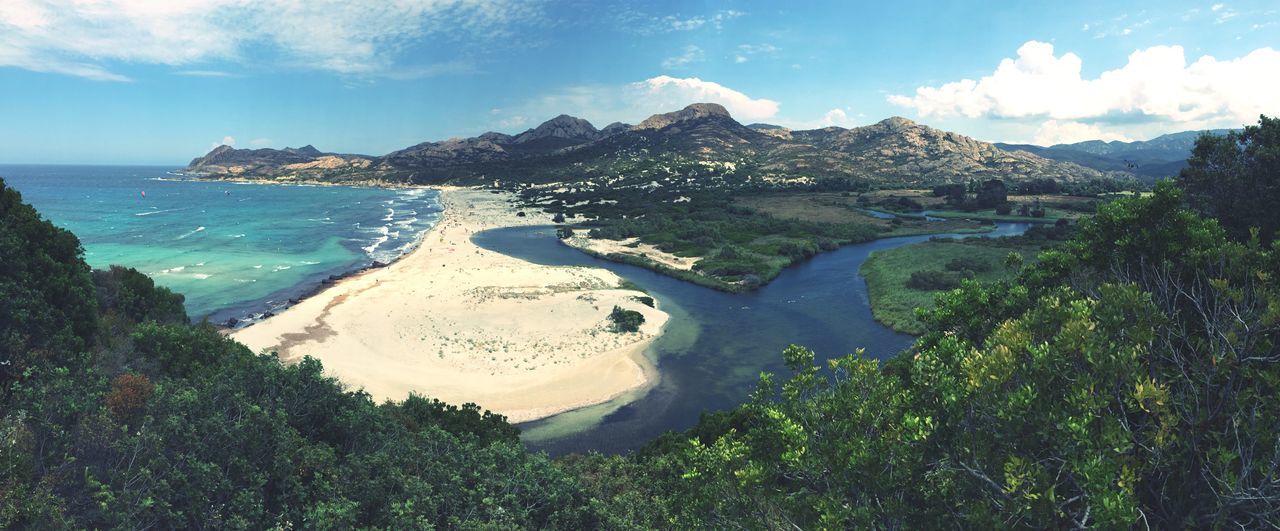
<point>968,263</point>
<point>128,397</point>
<point>626,320</point>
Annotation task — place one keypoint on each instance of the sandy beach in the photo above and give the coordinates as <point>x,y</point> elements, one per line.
<point>456,322</point>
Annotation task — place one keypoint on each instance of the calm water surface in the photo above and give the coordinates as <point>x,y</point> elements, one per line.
<point>716,344</point>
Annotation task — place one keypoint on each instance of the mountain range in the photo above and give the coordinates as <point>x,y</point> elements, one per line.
<point>1160,157</point>
<point>699,142</point>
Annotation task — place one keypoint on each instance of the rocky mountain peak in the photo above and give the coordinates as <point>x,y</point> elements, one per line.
<point>692,112</point>
<point>897,122</point>
<point>563,126</point>
<point>614,128</point>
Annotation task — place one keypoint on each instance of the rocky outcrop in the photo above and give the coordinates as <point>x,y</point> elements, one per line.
<point>695,111</point>
<point>563,127</point>
<point>898,149</point>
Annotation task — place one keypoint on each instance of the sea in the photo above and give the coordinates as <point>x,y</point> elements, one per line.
<point>235,250</point>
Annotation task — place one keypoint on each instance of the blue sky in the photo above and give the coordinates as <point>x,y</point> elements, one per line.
<point>155,82</point>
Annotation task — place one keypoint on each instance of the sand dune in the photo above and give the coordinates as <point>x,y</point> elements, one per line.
<point>456,322</point>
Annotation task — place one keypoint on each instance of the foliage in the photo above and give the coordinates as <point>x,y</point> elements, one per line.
<point>1123,380</point>
<point>733,242</point>
<point>626,320</point>
<point>968,263</point>
<point>46,297</point>
<point>889,272</point>
<point>134,296</point>
<point>149,422</point>
<point>1236,179</point>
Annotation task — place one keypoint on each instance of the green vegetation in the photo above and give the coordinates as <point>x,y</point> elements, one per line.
<point>739,248</point>
<point>902,279</point>
<point>626,320</point>
<point>1233,178</point>
<point>1125,378</point>
<point>116,413</point>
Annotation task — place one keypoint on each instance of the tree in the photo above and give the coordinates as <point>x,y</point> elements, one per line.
<point>1235,179</point>
<point>47,302</point>
<point>992,193</point>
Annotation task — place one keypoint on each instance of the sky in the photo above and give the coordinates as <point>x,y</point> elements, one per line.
<point>164,81</point>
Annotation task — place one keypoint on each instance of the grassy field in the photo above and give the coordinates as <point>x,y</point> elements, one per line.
<point>1056,206</point>
<point>833,207</point>
<point>889,274</point>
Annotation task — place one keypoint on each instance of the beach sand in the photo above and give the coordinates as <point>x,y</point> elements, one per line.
<point>462,324</point>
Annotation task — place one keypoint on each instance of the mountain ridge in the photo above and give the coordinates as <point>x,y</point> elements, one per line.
<point>1160,157</point>
<point>701,138</point>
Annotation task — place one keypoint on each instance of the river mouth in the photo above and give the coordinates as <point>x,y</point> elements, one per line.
<point>716,344</point>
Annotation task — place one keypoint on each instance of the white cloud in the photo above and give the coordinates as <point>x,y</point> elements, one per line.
<point>1156,85</point>
<point>716,20</point>
<point>645,24</point>
<point>673,91</point>
<point>1218,7</point>
<point>836,117</point>
<point>633,102</point>
<point>748,51</point>
<point>82,38</point>
<point>1067,132</point>
<point>692,54</point>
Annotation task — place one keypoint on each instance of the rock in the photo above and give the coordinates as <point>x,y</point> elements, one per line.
<point>691,112</point>
<point>563,126</point>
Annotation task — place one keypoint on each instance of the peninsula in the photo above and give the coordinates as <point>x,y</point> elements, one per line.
<point>460,323</point>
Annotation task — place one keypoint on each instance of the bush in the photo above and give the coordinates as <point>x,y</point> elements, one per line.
<point>626,320</point>
<point>1004,208</point>
<point>933,281</point>
<point>968,263</point>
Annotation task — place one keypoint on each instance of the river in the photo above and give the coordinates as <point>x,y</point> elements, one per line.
<point>716,344</point>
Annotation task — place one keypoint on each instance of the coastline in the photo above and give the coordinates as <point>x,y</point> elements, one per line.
<point>452,321</point>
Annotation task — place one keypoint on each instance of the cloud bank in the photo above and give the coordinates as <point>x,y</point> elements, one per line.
<point>1156,85</point>
<point>81,38</point>
<point>633,102</point>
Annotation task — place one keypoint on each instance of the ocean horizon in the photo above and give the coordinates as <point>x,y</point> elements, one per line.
<point>234,250</point>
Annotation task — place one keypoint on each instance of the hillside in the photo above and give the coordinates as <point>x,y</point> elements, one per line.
<point>701,140</point>
<point>1158,158</point>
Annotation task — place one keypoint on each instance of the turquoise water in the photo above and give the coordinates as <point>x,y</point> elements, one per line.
<point>238,250</point>
<point>234,250</point>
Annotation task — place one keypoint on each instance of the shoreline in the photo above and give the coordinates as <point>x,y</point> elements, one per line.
<point>240,322</point>
<point>452,321</point>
